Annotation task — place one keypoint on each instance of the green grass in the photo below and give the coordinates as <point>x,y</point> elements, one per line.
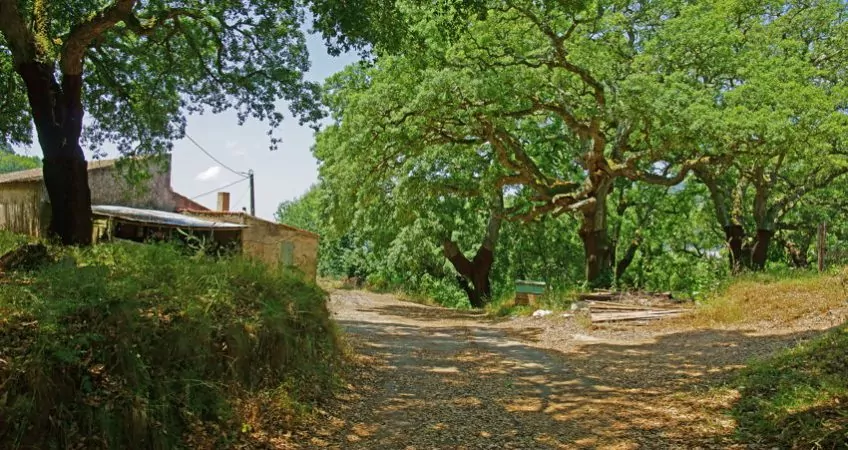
<point>138,346</point>
<point>798,398</point>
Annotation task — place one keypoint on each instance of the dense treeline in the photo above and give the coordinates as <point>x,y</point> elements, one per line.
<point>11,162</point>
<point>651,144</point>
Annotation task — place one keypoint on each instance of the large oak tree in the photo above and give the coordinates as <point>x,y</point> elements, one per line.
<point>555,95</point>
<point>778,89</point>
<point>137,67</point>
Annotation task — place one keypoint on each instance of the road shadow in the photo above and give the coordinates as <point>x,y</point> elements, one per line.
<point>428,313</point>
<point>472,387</point>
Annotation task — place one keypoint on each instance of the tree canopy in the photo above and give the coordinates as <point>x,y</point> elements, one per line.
<point>137,68</point>
<point>570,109</point>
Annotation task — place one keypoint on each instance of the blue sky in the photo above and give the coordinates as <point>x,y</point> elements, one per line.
<point>280,175</point>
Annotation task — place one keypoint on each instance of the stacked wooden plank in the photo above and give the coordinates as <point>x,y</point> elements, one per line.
<point>608,311</point>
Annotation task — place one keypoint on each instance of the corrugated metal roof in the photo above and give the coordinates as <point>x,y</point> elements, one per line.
<point>26,176</point>
<point>208,213</point>
<point>162,218</point>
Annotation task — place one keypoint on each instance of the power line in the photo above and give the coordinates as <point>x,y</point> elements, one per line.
<point>243,195</point>
<point>241,174</point>
<point>219,188</point>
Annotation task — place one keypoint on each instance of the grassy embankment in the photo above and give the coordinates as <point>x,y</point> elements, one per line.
<point>138,346</point>
<point>797,398</point>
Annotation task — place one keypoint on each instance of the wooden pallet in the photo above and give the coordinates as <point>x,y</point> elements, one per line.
<point>606,296</point>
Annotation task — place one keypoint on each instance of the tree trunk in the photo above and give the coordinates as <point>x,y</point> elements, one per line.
<point>474,274</point>
<point>627,259</point>
<point>57,112</point>
<point>597,256</point>
<point>596,245</point>
<point>735,236</point>
<point>798,254</point>
<point>759,255</point>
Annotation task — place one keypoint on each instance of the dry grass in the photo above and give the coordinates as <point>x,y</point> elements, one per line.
<point>765,299</point>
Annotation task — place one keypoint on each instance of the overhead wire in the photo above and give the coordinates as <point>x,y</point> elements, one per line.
<point>243,195</point>
<point>196,144</point>
<point>219,188</point>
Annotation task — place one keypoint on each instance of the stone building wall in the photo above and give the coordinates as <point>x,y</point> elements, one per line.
<point>110,186</point>
<point>275,244</point>
<point>25,208</point>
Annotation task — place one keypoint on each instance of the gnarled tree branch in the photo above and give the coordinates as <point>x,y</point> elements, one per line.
<point>85,32</point>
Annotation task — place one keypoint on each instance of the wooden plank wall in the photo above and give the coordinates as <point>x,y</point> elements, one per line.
<point>21,210</point>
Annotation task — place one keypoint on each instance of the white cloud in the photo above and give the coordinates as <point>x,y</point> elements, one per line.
<point>231,144</point>
<point>209,174</point>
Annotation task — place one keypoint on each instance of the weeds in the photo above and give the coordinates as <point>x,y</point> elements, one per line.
<point>138,346</point>
<point>553,299</point>
<point>798,398</point>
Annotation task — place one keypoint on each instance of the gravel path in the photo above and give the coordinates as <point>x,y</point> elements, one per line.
<point>432,378</point>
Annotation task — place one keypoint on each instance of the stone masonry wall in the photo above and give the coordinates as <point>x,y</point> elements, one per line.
<point>265,241</point>
<point>109,186</point>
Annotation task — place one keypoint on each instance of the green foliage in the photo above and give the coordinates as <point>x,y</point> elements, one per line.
<point>10,162</point>
<point>546,250</point>
<point>304,212</point>
<point>137,346</point>
<point>162,60</point>
<point>10,241</point>
<point>13,128</point>
<point>337,254</point>
<point>797,398</point>
<point>588,118</point>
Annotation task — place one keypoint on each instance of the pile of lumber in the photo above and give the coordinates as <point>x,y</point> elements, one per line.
<point>616,312</point>
<point>634,306</point>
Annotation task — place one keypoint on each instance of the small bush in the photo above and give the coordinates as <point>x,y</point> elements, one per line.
<point>799,398</point>
<point>138,346</point>
<point>377,282</point>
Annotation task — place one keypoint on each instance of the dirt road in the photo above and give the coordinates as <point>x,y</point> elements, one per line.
<point>433,378</point>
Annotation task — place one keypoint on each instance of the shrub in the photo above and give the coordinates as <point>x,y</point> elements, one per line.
<point>797,399</point>
<point>138,346</point>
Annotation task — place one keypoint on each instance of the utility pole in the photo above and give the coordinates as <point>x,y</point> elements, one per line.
<point>252,193</point>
